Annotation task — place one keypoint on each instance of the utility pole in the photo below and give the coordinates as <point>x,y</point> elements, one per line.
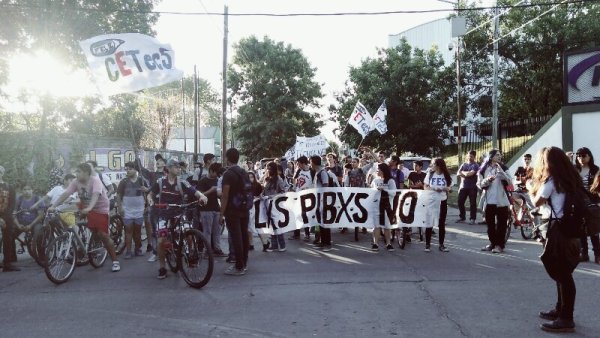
<point>495,88</point>
<point>459,143</point>
<point>224,98</point>
<point>195,113</point>
<point>183,111</point>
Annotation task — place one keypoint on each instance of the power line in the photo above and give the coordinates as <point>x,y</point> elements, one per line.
<point>205,13</point>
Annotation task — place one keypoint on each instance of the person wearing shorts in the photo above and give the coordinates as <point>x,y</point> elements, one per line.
<point>94,204</point>
<point>130,201</point>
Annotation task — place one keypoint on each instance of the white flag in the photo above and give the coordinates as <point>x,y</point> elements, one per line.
<point>361,120</point>
<point>379,119</point>
<point>123,63</point>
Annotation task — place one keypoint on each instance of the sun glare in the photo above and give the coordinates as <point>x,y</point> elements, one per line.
<point>43,74</point>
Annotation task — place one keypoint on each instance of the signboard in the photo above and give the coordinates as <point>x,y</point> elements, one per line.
<point>582,77</point>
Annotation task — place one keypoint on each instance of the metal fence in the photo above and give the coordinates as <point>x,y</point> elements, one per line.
<point>512,135</point>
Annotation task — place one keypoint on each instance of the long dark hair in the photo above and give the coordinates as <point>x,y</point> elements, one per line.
<point>586,151</point>
<point>272,176</point>
<point>387,173</point>
<point>440,163</point>
<point>553,162</point>
<point>256,187</point>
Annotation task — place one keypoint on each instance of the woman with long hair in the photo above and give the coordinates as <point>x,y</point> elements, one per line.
<point>553,177</point>
<point>491,179</point>
<point>587,171</point>
<point>439,181</point>
<point>274,185</point>
<point>383,183</point>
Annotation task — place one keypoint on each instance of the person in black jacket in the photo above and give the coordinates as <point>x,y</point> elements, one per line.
<point>587,170</point>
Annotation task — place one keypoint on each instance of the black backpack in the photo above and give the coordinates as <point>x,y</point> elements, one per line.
<point>243,200</point>
<point>581,217</point>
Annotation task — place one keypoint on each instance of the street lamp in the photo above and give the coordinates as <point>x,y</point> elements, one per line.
<point>459,28</point>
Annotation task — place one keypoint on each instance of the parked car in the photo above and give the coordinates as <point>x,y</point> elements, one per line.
<point>409,160</point>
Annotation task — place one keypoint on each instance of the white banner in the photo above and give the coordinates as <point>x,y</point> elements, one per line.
<point>361,120</point>
<point>379,119</point>
<point>345,208</point>
<point>307,146</point>
<point>123,63</point>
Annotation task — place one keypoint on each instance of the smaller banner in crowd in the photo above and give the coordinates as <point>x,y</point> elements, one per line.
<point>379,119</point>
<point>123,63</point>
<point>307,146</point>
<point>345,208</point>
<point>361,120</point>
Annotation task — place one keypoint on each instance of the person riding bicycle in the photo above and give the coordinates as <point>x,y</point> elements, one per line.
<point>28,218</point>
<point>521,181</point>
<point>170,190</point>
<point>94,204</point>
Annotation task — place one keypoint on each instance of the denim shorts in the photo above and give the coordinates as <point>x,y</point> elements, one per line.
<point>131,221</point>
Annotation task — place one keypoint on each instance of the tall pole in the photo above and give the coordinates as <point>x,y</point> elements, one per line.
<point>459,142</point>
<point>183,111</point>
<point>224,98</point>
<point>195,113</point>
<point>495,88</point>
<point>199,116</point>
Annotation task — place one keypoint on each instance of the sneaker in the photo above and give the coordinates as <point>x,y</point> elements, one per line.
<point>267,247</point>
<point>364,231</point>
<point>472,222</point>
<point>307,238</point>
<point>487,248</point>
<point>460,220</point>
<point>138,252</point>
<point>389,247</point>
<point>220,253</point>
<point>559,325</point>
<point>230,260</point>
<point>374,247</point>
<point>162,273</point>
<point>427,248</point>
<point>497,250</point>
<point>316,242</point>
<point>116,266</point>
<point>281,249</point>
<point>148,248</point>
<point>327,248</point>
<point>443,249</point>
<point>549,315</point>
<point>128,255</point>
<point>153,258</point>
<point>294,238</point>
<point>232,271</point>
<point>483,222</point>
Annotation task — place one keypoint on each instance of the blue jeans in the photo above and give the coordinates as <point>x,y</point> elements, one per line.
<point>277,242</point>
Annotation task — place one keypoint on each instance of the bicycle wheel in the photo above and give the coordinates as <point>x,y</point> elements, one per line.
<point>117,233</point>
<point>527,226</point>
<point>96,252</point>
<point>60,258</point>
<point>195,259</point>
<point>84,235</point>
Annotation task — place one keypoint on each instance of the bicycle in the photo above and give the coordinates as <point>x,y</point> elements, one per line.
<point>524,220</point>
<point>66,249</point>
<point>187,250</point>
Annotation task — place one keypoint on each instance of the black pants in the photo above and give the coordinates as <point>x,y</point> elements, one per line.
<point>496,218</point>
<point>462,198</point>
<point>325,236</point>
<point>441,225</point>
<point>306,232</point>
<point>9,249</point>
<point>238,231</point>
<point>595,245</point>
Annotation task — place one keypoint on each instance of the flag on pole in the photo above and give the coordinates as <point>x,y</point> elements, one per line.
<point>379,119</point>
<point>123,63</point>
<point>361,120</point>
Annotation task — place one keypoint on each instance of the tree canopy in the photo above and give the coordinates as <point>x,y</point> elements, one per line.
<point>272,86</point>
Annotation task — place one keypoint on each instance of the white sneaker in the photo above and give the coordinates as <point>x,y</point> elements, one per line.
<point>152,258</point>
<point>116,266</point>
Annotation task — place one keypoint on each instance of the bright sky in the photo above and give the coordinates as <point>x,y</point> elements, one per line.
<point>331,44</point>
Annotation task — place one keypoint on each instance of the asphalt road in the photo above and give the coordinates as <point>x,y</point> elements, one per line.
<point>348,292</point>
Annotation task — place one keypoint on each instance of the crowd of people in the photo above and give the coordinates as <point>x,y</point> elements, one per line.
<point>217,188</point>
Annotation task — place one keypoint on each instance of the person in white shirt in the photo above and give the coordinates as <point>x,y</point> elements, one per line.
<point>54,194</point>
<point>384,182</point>
<point>439,181</point>
<point>302,180</point>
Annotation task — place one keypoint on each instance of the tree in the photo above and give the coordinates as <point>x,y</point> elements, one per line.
<point>58,25</point>
<point>418,91</point>
<point>273,86</point>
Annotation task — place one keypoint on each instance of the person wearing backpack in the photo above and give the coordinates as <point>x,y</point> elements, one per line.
<point>274,185</point>
<point>302,180</point>
<point>234,212</point>
<point>323,179</point>
<point>554,180</point>
<point>587,171</point>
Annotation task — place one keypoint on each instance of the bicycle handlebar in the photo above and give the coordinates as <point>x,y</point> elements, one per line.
<point>180,206</point>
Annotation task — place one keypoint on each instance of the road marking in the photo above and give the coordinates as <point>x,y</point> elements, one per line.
<point>485,266</point>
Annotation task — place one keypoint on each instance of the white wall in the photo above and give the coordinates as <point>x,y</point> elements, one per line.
<point>552,137</point>
<point>206,145</point>
<point>585,129</point>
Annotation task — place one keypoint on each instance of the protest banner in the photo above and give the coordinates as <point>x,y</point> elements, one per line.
<point>123,63</point>
<point>343,208</point>
<point>361,120</point>
<point>307,146</point>
<point>379,119</point>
